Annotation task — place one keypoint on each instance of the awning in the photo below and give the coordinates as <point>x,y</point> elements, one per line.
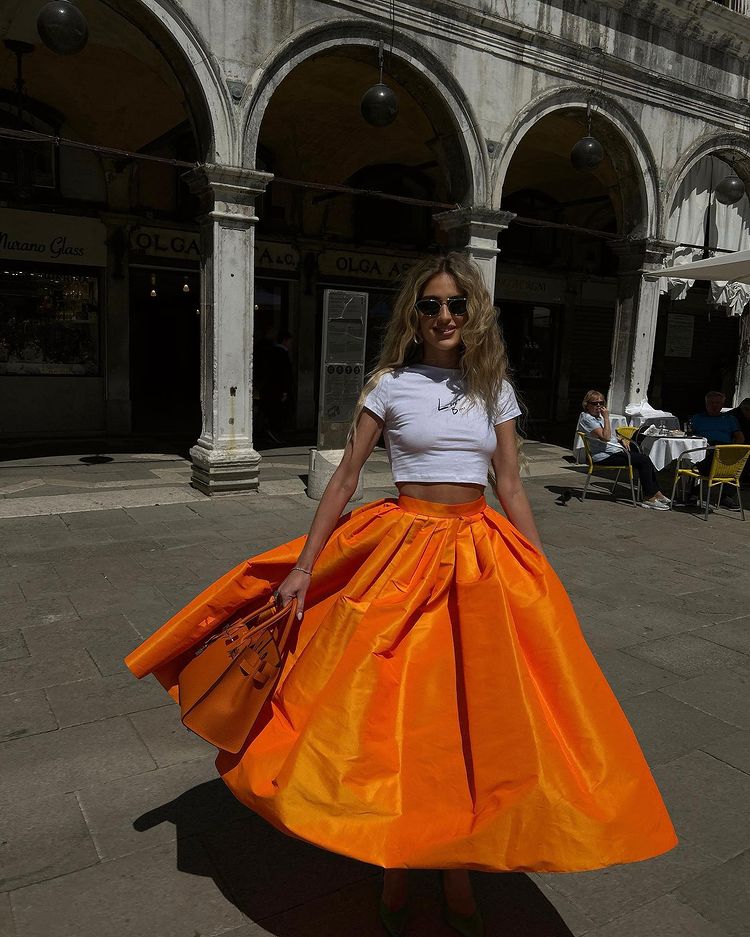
<point>733,267</point>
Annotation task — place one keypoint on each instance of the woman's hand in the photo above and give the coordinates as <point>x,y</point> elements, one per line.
<point>295,585</point>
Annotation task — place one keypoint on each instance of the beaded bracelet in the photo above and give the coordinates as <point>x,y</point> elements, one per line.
<point>307,572</point>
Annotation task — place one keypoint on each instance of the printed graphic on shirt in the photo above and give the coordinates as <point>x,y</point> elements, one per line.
<point>452,405</point>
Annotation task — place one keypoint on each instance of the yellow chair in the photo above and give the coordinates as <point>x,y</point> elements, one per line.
<point>726,467</point>
<point>626,432</point>
<point>606,468</point>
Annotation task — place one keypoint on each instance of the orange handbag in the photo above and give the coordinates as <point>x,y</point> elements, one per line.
<point>226,684</point>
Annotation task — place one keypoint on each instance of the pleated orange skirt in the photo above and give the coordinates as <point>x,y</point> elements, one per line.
<point>440,707</point>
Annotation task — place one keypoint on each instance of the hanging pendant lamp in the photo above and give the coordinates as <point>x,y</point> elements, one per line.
<point>730,190</point>
<point>379,104</point>
<point>588,152</point>
<point>62,27</point>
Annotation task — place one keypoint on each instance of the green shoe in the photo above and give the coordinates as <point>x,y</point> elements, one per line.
<point>470,925</point>
<point>393,921</point>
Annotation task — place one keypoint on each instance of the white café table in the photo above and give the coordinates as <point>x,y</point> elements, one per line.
<point>662,450</point>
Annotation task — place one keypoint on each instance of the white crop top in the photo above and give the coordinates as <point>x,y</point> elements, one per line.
<point>433,433</point>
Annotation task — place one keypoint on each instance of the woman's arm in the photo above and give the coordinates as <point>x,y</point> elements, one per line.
<point>508,486</point>
<point>337,494</point>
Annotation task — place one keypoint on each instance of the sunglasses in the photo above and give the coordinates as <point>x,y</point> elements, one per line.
<point>596,403</point>
<point>431,307</point>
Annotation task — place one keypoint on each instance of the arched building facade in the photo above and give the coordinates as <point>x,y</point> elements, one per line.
<point>158,318</point>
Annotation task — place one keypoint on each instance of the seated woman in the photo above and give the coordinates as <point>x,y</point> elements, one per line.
<point>594,422</point>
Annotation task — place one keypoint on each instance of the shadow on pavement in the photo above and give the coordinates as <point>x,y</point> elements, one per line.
<point>294,889</point>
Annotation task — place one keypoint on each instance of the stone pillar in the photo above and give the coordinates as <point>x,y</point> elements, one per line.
<point>742,383</point>
<point>475,230</point>
<point>224,460</point>
<point>635,320</point>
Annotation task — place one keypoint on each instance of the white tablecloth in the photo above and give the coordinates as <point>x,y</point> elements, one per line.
<point>615,420</point>
<point>665,449</point>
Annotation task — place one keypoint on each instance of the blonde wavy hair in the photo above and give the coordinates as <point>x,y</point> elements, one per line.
<point>484,360</point>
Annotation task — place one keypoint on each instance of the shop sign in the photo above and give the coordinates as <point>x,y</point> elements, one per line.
<point>529,288</point>
<point>363,266</point>
<point>273,255</point>
<point>172,244</point>
<point>49,238</point>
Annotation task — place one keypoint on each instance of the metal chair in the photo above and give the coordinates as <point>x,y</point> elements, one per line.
<point>606,468</point>
<point>726,467</point>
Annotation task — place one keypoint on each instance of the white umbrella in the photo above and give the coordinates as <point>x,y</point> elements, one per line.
<point>733,267</point>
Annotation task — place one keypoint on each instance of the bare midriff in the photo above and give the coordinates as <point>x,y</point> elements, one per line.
<point>441,492</point>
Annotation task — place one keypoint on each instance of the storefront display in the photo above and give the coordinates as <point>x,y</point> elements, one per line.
<point>49,322</point>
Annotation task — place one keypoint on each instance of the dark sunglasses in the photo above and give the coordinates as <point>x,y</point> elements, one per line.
<point>431,307</point>
<point>596,403</point>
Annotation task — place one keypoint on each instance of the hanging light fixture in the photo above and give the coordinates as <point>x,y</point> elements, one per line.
<point>379,104</point>
<point>731,188</point>
<point>186,286</point>
<point>588,152</point>
<point>153,294</point>
<point>62,27</point>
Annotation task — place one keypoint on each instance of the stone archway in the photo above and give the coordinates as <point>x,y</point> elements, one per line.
<point>619,198</point>
<point>441,94</point>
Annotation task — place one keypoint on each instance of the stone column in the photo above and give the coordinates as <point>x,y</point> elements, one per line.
<point>635,320</point>
<point>475,230</point>
<point>224,460</point>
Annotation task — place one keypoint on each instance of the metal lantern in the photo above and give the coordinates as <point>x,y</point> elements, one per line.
<point>587,153</point>
<point>730,190</point>
<point>379,105</point>
<point>62,27</point>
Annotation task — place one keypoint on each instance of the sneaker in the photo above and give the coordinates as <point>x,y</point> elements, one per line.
<point>665,500</point>
<point>655,505</point>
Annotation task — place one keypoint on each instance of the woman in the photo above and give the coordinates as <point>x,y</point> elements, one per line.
<point>440,707</point>
<point>594,421</point>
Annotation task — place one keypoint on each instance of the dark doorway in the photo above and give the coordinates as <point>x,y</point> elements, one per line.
<point>165,352</point>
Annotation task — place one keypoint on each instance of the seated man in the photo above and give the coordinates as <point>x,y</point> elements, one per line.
<point>719,429</point>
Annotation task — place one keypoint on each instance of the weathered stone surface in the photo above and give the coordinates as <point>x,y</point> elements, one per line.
<point>722,895</point>
<point>49,610</point>
<point>67,759</point>
<point>667,917</point>
<point>629,677</point>
<point>138,812</point>
<point>667,728</point>
<point>687,654</point>
<point>168,741</point>
<point>733,749</point>
<point>102,697</point>
<point>144,893</point>
<point>107,639</point>
<point>722,693</point>
<point>7,927</point>
<point>606,894</point>
<point>734,634</point>
<point>41,843</point>
<point>29,672</point>
<point>707,800</point>
<point>25,712</point>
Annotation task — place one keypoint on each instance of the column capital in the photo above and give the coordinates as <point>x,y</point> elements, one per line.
<point>636,253</point>
<point>482,222</point>
<point>227,193</point>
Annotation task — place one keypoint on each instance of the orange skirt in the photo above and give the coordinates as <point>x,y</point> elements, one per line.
<point>440,707</point>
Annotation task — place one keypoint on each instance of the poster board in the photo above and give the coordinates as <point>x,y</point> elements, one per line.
<point>342,364</point>
<point>679,342</point>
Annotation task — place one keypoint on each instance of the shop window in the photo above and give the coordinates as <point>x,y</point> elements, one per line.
<point>380,221</point>
<point>49,323</point>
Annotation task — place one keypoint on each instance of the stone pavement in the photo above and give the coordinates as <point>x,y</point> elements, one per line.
<point>114,824</point>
